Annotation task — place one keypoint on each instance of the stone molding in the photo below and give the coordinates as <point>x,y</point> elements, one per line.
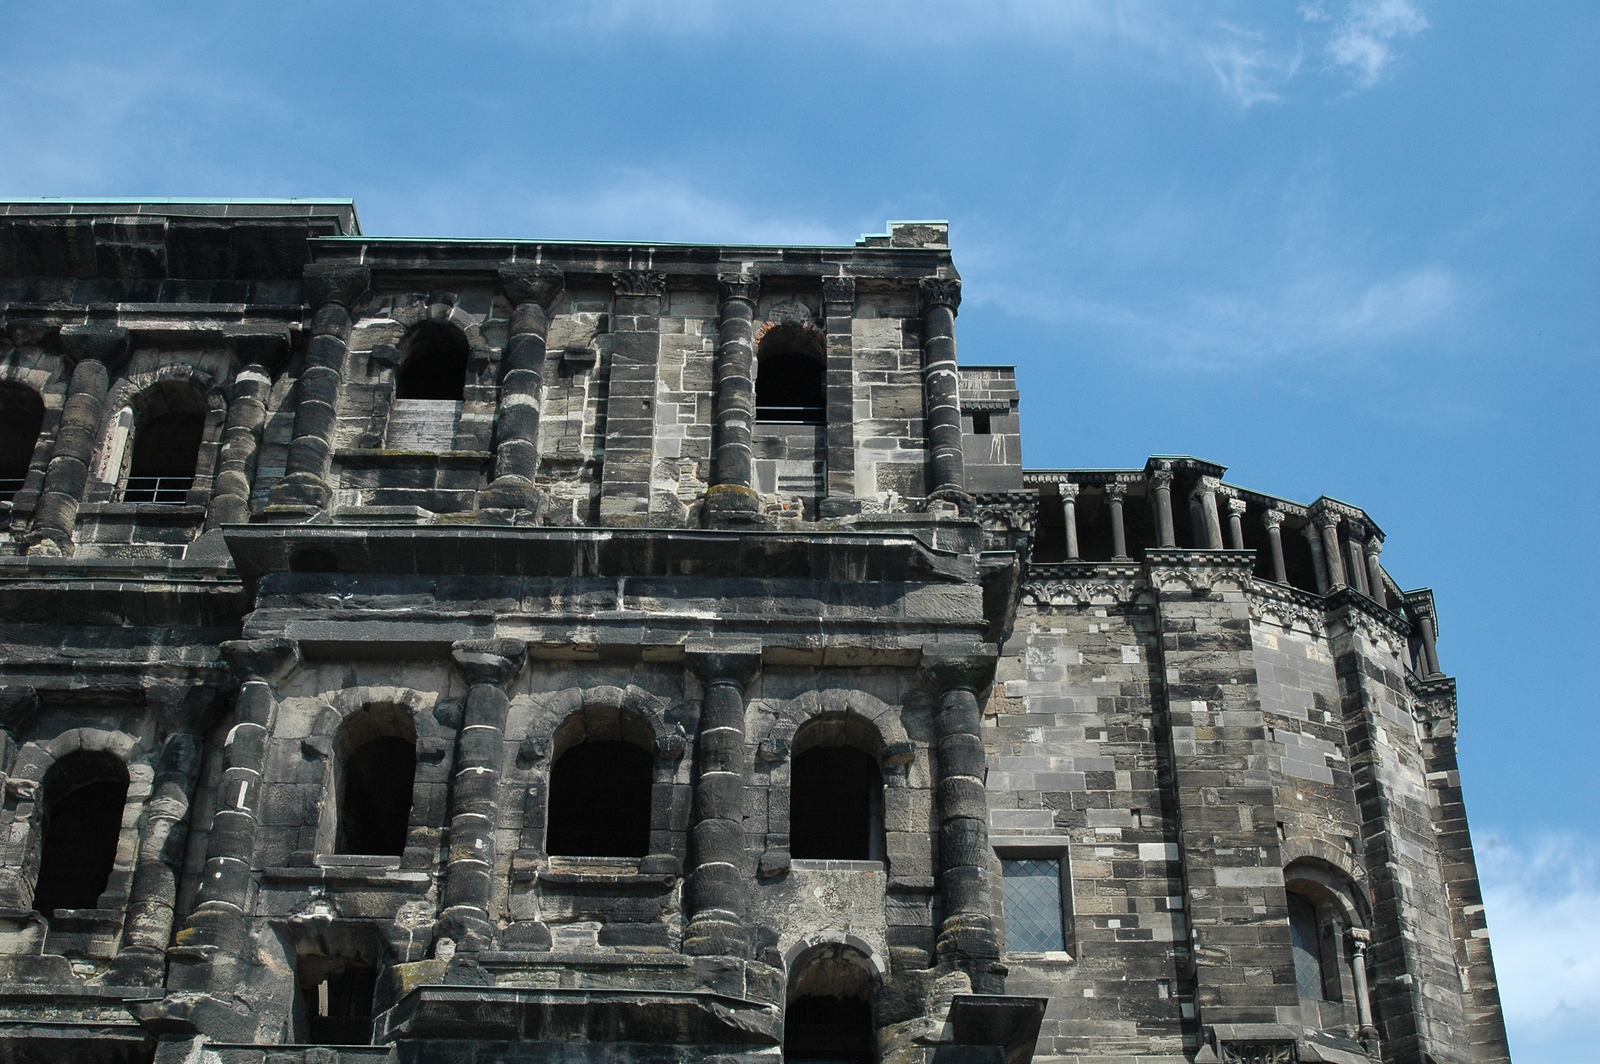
<point>639,282</point>
<point>530,283</point>
<point>939,292</point>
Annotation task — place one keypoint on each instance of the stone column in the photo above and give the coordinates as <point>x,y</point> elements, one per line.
<point>839,313</point>
<point>1119,532</point>
<point>142,958</point>
<point>631,396</point>
<point>94,351</point>
<point>334,288</point>
<point>1356,534</point>
<point>1206,494</point>
<point>1374,547</point>
<point>1360,938</point>
<point>967,934</point>
<point>1272,520</point>
<point>490,666</point>
<point>1161,491</point>
<point>1236,508</point>
<point>732,493</point>
<point>532,291</point>
<point>1069,507</point>
<point>1430,648</point>
<point>259,354</point>
<point>717,883</point>
<point>216,935</point>
<point>1318,562</point>
<point>940,296</point>
<point>1328,527</point>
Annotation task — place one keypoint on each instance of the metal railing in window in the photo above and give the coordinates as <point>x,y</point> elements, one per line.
<point>172,490</point>
<point>792,415</point>
<point>9,486</point>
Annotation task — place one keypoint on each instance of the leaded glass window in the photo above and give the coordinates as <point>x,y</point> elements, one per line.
<point>1032,900</point>
<point>1307,947</point>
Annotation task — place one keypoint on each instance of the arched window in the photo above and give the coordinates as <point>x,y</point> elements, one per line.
<point>84,796</point>
<point>21,414</point>
<point>377,766</point>
<point>600,783</point>
<point>836,792</point>
<point>1324,907</point>
<point>828,1010</point>
<point>435,365</point>
<point>166,445</point>
<point>1306,938</point>
<point>789,378</point>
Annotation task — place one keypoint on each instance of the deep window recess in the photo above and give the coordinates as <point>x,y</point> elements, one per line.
<point>789,389</point>
<point>829,1011</point>
<point>1307,942</point>
<point>980,424</point>
<point>336,993</point>
<point>165,450</point>
<point>375,797</point>
<point>1032,901</point>
<point>600,801</point>
<point>435,366</point>
<point>84,796</point>
<point>21,414</point>
<point>835,805</point>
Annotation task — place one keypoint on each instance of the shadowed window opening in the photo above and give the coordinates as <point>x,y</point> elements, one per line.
<point>790,380</point>
<point>600,801</point>
<point>336,994</point>
<point>21,414</point>
<point>980,424</point>
<point>165,449</point>
<point>829,1012</point>
<point>375,798</point>
<point>835,805</point>
<point>1307,942</point>
<point>436,364</point>
<point>1298,563</point>
<point>84,798</point>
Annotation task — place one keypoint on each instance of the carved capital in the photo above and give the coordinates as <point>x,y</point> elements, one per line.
<point>1374,546</point>
<point>1237,505</point>
<point>1360,938</point>
<point>731,286</point>
<point>1206,486</point>
<point>1116,492</point>
<point>724,666</point>
<point>640,282</point>
<point>839,290</point>
<point>1067,490</point>
<point>1161,480</point>
<point>491,661</point>
<point>528,283</point>
<point>336,282</point>
<point>939,292</point>
<point>963,669</point>
<point>1271,519</point>
<point>261,659</point>
<point>105,344</point>
<point>1325,519</point>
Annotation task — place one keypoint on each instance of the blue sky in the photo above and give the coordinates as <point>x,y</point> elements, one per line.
<point>1343,246</point>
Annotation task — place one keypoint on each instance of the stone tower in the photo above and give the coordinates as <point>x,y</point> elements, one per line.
<point>535,651</point>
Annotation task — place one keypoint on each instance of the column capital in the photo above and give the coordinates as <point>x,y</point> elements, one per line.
<point>1325,519</point>
<point>743,287</point>
<point>1309,530</point>
<point>489,661</point>
<point>261,659</point>
<point>962,669</point>
<point>726,666</point>
<point>1117,490</point>
<point>1067,490</point>
<point>539,283</point>
<point>1360,938</point>
<point>939,292</point>
<point>1161,479</point>
<point>1205,485</point>
<point>105,344</point>
<point>1271,518</point>
<point>1374,546</point>
<point>639,282</point>
<point>839,290</point>
<point>1237,505</point>
<point>268,349</point>
<point>336,282</point>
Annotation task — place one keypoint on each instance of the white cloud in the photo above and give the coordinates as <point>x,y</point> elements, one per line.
<point>1249,69</point>
<point>1365,35</point>
<point>1543,901</point>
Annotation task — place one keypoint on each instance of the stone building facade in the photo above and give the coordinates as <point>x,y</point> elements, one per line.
<point>471,650</point>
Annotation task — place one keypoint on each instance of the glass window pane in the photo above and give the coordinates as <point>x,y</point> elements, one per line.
<point>1032,900</point>
<point>1307,947</point>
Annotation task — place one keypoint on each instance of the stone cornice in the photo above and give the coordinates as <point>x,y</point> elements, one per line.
<point>1171,568</point>
<point>1288,605</point>
<point>1082,583</point>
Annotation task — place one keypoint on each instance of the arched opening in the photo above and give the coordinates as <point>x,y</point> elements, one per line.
<point>1323,908</point>
<point>21,415</point>
<point>435,365</point>
<point>790,378</point>
<point>336,999</point>
<point>166,445</point>
<point>377,767</point>
<point>836,792</point>
<point>1306,938</point>
<point>600,800</point>
<point>84,796</point>
<point>828,1009</point>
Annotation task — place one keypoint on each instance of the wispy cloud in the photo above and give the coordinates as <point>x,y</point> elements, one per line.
<point>1365,35</point>
<point>1542,895</point>
<point>1249,69</point>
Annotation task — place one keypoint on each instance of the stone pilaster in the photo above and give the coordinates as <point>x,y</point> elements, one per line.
<point>1069,509</point>
<point>95,351</point>
<point>259,355</point>
<point>532,291</point>
<point>1115,494</point>
<point>1161,500</point>
<point>967,936</point>
<point>1236,509</point>
<point>1205,493</point>
<point>839,314</point>
<point>717,883</point>
<point>334,290</point>
<point>1355,537</point>
<point>490,666</point>
<point>630,397</point>
<point>732,498</point>
<point>940,297</point>
<point>1272,521</point>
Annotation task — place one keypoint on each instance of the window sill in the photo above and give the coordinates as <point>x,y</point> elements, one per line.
<point>334,869</point>
<point>1048,957</point>
<point>818,864</point>
<point>623,872</point>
